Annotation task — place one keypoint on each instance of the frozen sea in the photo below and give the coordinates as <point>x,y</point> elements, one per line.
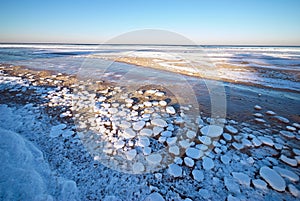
<point>265,66</point>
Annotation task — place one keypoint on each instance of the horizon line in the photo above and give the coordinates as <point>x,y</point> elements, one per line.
<point>69,43</point>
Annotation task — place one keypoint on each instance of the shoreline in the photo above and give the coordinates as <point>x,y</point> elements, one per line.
<point>242,150</point>
<point>194,70</point>
<point>239,97</point>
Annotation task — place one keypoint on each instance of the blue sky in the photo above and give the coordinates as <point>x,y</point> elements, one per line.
<point>223,22</point>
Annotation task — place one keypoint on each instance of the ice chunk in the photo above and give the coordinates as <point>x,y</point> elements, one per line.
<point>207,163</point>
<point>159,122</point>
<point>258,183</point>
<point>231,129</point>
<point>212,131</point>
<point>138,125</point>
<point>242,178</point>
<point>175,170</point>
<point>154,159</point>
<point>188,162</point>
<point>194,153</point>
<point>272,178</point>
<point>198,175</point>
<point>154,197</point>
<point>170,110</point>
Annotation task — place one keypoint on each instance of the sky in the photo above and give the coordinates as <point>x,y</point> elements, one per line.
<point>205,22</point>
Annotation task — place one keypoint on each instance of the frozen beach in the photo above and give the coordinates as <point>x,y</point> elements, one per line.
<point>125,122</point>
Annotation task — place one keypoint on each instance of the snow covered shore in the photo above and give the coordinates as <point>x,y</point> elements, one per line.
<point>48,147</point>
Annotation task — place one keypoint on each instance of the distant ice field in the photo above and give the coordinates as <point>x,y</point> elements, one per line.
<point>275,67</point>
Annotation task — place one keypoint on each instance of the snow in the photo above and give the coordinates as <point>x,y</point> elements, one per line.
<point>57,130</point>
<point>22,165</point>
<point>63,169</point>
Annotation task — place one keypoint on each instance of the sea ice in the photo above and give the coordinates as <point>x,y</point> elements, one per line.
<point>294,191</point>
<point>154,197</point>
<point>287,174</point>
<point>242,178</point>
<point>154,159</point>
<point>231,185</point>
<point>266,140</point>
<point>198,175</point>
<point>272,178</point>
<point>257,107</point>
<point>225,159</point>
<point>191,134</point>
<point>128,133</point>
<point>207,163</point>
<point>130,155</point>
<point>170,110</point>
<point>258,183</point>
<point>138,125</point>
<point>231,129</point>
<point>57,130</point>
<point>289,161</point>
<point>194,153</point>
<point>188,162</point>
<point>175,170</point>
<point>174,150</point>
<point>159,122</point>
<point>212,131</point>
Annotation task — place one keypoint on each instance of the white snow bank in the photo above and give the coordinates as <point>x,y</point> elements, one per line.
<point>23,170</point>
